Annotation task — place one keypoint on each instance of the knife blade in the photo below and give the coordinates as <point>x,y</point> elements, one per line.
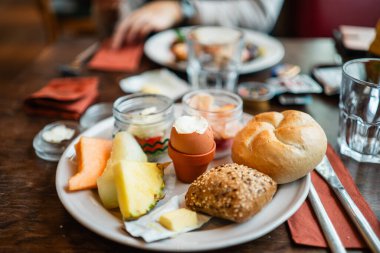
<point>73,68</point>
<point>327,172</point>
<point>328,229</point>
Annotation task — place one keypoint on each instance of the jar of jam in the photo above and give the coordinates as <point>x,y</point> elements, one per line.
<point>224,112</point>
<point>148,117</point>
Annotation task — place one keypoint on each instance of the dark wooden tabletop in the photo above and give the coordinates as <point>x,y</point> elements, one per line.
<point>32,218</point>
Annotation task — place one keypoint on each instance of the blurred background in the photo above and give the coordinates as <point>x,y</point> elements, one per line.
<point>27,26</point>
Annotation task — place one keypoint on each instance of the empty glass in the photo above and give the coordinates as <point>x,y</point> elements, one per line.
<point>359,134</point>
<point>214,57</point>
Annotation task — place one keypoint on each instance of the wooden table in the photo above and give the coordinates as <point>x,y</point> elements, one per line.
<point>32,219</point>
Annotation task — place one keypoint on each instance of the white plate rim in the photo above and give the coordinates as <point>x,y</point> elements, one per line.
<point>122,237</point>
<point>273,50</point>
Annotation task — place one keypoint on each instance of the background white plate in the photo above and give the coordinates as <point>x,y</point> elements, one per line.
<point>157,48</point>
<point>163,81</point>
<point>86,208</point>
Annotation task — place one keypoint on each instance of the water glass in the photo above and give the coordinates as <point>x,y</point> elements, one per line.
<point>214,57</point>
<point>359,134</point>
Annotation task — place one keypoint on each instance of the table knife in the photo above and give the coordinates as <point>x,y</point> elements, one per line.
<point>73,69</point>
<point>328,229</point>
<point>327,172</point>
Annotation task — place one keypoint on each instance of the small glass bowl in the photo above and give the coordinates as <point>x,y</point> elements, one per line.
<point>94,114</point>
<point>148,117</point>
<point>256,94</point>
<point>225,115</point>
<point>49,150</point>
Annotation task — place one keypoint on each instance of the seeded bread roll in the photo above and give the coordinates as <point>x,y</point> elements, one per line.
<point>230,191</point>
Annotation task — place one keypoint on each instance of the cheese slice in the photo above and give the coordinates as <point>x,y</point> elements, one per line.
<point>179,219</point>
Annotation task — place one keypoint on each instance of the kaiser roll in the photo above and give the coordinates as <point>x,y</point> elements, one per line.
<point>285,146</point>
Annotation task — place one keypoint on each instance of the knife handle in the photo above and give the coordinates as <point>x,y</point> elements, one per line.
<point>328,229</point>
<point>358,218</point>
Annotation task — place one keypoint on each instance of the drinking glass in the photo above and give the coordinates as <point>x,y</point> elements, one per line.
<point>359,134</point>
<point>214,57</point>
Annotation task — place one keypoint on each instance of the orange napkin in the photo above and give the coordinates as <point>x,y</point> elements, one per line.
<point>125,59</point>
<point>66,98</point>
<point>304,226</point>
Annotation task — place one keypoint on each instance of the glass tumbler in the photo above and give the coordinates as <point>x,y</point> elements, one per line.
<point>223,111</point>
<point>148,117</point>
<point>214,57</point>
<point>359,107</point>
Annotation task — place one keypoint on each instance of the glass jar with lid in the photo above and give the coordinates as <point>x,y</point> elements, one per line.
<point>222,109</point>
<point>148,117</point>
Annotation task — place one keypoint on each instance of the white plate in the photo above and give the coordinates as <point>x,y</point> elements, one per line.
<point>157,48</point>
<point>86,208</point>
<point>160,81</point>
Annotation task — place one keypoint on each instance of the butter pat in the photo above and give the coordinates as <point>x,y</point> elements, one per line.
<point>179,219</point>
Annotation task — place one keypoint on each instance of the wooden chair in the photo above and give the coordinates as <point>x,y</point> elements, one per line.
<point>55,24</point>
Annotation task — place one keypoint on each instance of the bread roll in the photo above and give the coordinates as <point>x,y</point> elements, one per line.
<point>285,146</point>
<point>230,191</point>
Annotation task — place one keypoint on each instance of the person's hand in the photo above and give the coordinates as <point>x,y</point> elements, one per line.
<point>153,17</point>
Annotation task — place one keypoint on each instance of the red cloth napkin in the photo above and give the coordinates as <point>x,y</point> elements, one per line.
<point>66,98</point>
<point>125,59</point>
<point>304,225</point>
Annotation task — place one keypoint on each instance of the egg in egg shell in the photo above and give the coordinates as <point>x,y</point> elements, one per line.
<point>192,135</point>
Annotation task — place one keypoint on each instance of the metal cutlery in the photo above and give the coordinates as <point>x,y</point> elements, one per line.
<point>327,172</point>
<point>328,229</point>
<point>73,69</point>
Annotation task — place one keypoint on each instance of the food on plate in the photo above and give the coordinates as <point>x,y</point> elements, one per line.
<point>223,112</point>
<point>150,88</point>
<point>179,49</point>
<point>139,187</point>
<point>179,219</point>
<point>285,146</point>
<point>124,147</point>
<point>231,191</point>
<point>191,147</point>
<point>92,155</point>
<point>191,135</point>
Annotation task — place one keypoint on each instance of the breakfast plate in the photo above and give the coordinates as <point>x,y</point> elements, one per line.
<point>86,208</point>
<point>157,48</point>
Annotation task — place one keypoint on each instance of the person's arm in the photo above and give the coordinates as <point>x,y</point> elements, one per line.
<point>152,17</point>
<point>259,15</point>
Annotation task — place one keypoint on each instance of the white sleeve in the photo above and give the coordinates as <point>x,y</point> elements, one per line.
<point>259,15</point>
<point>126,7</point>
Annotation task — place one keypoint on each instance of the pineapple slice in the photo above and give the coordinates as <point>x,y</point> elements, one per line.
<point>139,187</point>
<point>124,147</point>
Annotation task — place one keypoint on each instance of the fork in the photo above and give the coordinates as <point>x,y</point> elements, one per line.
<point>327,172</point>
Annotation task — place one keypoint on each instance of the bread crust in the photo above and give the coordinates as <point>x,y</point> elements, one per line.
<point>285,146</point>
<point>230,191</point>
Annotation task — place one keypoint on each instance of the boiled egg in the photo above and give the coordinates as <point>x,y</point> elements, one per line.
<point>192,135</point>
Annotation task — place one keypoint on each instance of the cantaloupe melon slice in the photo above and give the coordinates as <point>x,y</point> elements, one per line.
<point>92,155</point>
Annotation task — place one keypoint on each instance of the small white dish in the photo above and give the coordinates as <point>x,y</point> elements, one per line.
<point>160,81</point>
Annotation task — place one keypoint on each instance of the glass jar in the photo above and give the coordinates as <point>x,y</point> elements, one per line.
<point>224,112</point>
<point>148,117</point>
